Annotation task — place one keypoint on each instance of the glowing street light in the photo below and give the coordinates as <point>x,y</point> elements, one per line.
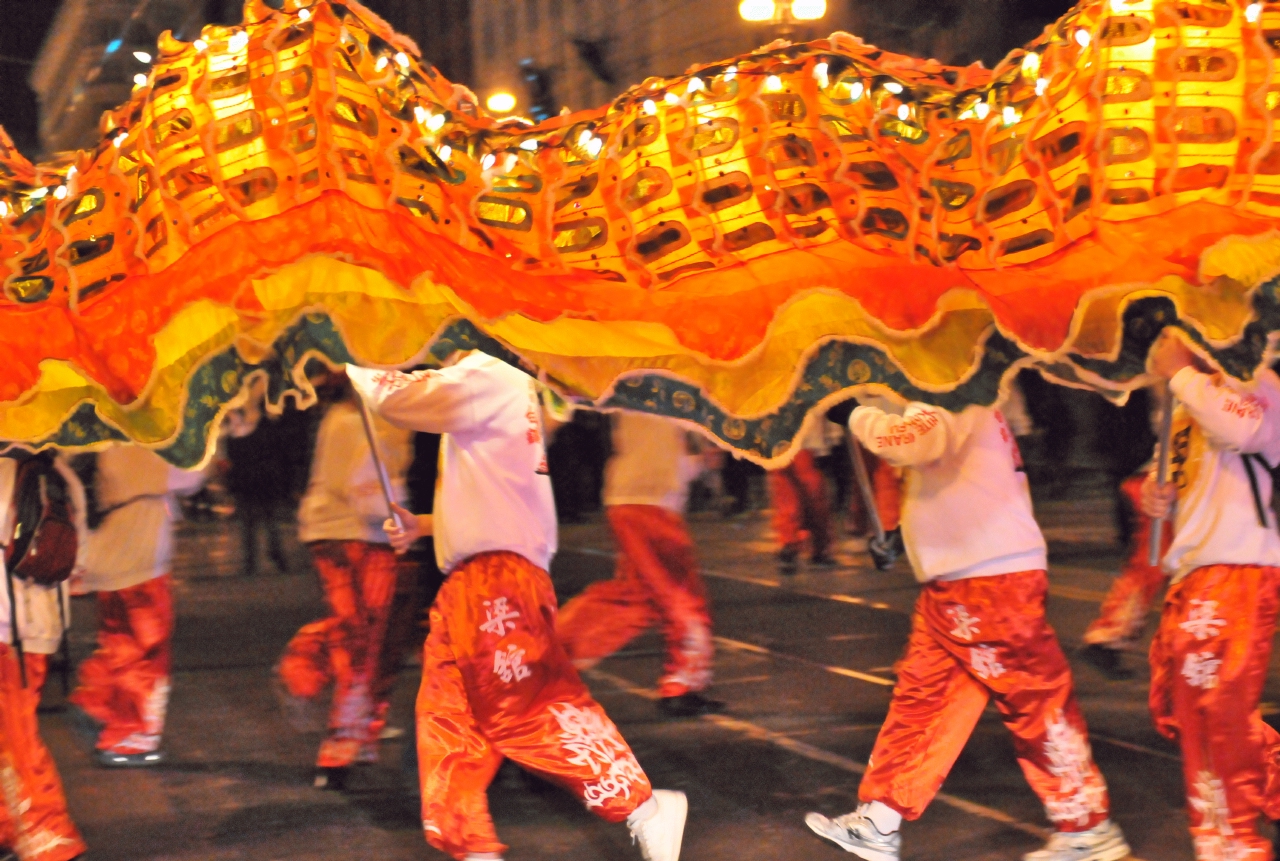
<point>783,12</point>
<point>501,103</point>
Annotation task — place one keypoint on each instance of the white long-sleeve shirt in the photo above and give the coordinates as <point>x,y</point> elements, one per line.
<point>134,542</point>
<point>1216,522</point>
<point>40,622</point>
<point>344,500</point>
<point>650,465</point>
<point>494,491</point>
<point>966,509</point>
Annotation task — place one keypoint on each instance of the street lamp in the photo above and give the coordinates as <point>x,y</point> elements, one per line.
<point>784,12</point>
<point>501,103</point>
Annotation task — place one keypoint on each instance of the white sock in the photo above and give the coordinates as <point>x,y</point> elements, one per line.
<point>643,812</point>
<point>882,816</point>
<point>484,856</point>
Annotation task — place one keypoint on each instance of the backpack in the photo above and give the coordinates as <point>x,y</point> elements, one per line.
<point>44,544</point>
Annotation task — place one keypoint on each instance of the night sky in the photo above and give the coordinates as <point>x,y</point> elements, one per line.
<point>25,23</point>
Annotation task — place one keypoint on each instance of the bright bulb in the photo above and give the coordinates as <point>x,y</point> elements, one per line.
<point>421,114</point>
<point>39,193</point>
<point>731,73</point>
<point>60,192</point>
<point>238,42</point>
<point>1042,86</point>
<point>381,64</point>
<point>904,112</point>
<point>894,87</point>
<point>1031,66</point>
<point>584,137</point>
<point>119,139</point>
<point>445,152</point>
<point>1253,12</point>
<point>200,45</point>
<point>402,60</point>
<point>982,110</point>
<point>529,145</point>
<point>488,161</point>
<point>650,107</point>
<point>1010,115</point>
<point>501,103</point>
<point>856,91</point>
<point>808,10</point>
<point>695,85</point>
<point>594,146</point>
<point>304,14</point>
<point>820,74</point>
<point>435,122</point>
<point>4,209</point>
<point>139,80</point>
<point>142,56</point>
<point>1083,38</point>
<point>757,10</point>
<point>671,99</point>
<point>773,84</point>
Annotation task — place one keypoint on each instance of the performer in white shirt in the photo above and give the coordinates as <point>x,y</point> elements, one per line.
<point>979,633</point>
<point>34,821</point>
<point>124,686</point>
<point>1210,655</point>
<point>495,681</point>
<point>340,521</point>
<point>646,488</point>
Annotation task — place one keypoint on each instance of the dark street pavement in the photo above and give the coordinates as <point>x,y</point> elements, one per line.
<point>804,663</point>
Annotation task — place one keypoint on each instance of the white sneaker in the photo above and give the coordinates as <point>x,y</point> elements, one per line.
<point>1103,842</point>
<point>856,833</point>
<point>662,833</point>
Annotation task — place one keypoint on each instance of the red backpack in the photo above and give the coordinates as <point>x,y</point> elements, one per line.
<point>44,544</point>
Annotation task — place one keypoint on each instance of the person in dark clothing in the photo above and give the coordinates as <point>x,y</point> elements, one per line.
<point>267,457</point>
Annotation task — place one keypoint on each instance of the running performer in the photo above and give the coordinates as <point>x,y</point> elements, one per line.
<point>124,685</point>
<point>646,487</point>
<point>1210,655</point>
<point>495,681</point>
<point>979,633</point>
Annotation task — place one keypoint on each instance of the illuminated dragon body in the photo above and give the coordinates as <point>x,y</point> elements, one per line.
<point>733,246</point>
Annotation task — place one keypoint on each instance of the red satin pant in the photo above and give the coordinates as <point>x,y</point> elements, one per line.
<point>1124,612</point>
<point>972,641</point>
<point>33,819</point>
<point>800,506</point>
<point>496,683</point>
<point>656,583</point>
<point>886,481</point>
<point>1208,667</point>
<point>125,683</point>
<point>359,580</point>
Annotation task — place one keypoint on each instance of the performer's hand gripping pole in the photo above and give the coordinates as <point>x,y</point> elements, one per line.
<point>1162,467</point>
<point>381,467</point>
<point>864,483</point>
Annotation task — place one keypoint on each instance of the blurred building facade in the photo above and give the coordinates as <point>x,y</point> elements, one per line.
<point>582,53</point>
<point>442,29</point>
<point>87,63</point>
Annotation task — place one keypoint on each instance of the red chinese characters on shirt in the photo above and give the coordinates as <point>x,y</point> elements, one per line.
<point>909,430</point>
<point>389,382</point>
<point>1244,406</point>
<point>1007,435</point>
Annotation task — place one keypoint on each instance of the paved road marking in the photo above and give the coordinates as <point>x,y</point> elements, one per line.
<point>884,682</point>
<point>817,754</point>
<point>869,677</point>
<point>839,671</point>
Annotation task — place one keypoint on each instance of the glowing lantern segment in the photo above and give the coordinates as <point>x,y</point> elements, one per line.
<point>762,232</point>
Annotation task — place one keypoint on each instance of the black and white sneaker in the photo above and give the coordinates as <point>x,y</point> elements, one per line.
<point>661,835</point>
<point>856,833</point>
<point>691,704</point>
<point>1103,842</point>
